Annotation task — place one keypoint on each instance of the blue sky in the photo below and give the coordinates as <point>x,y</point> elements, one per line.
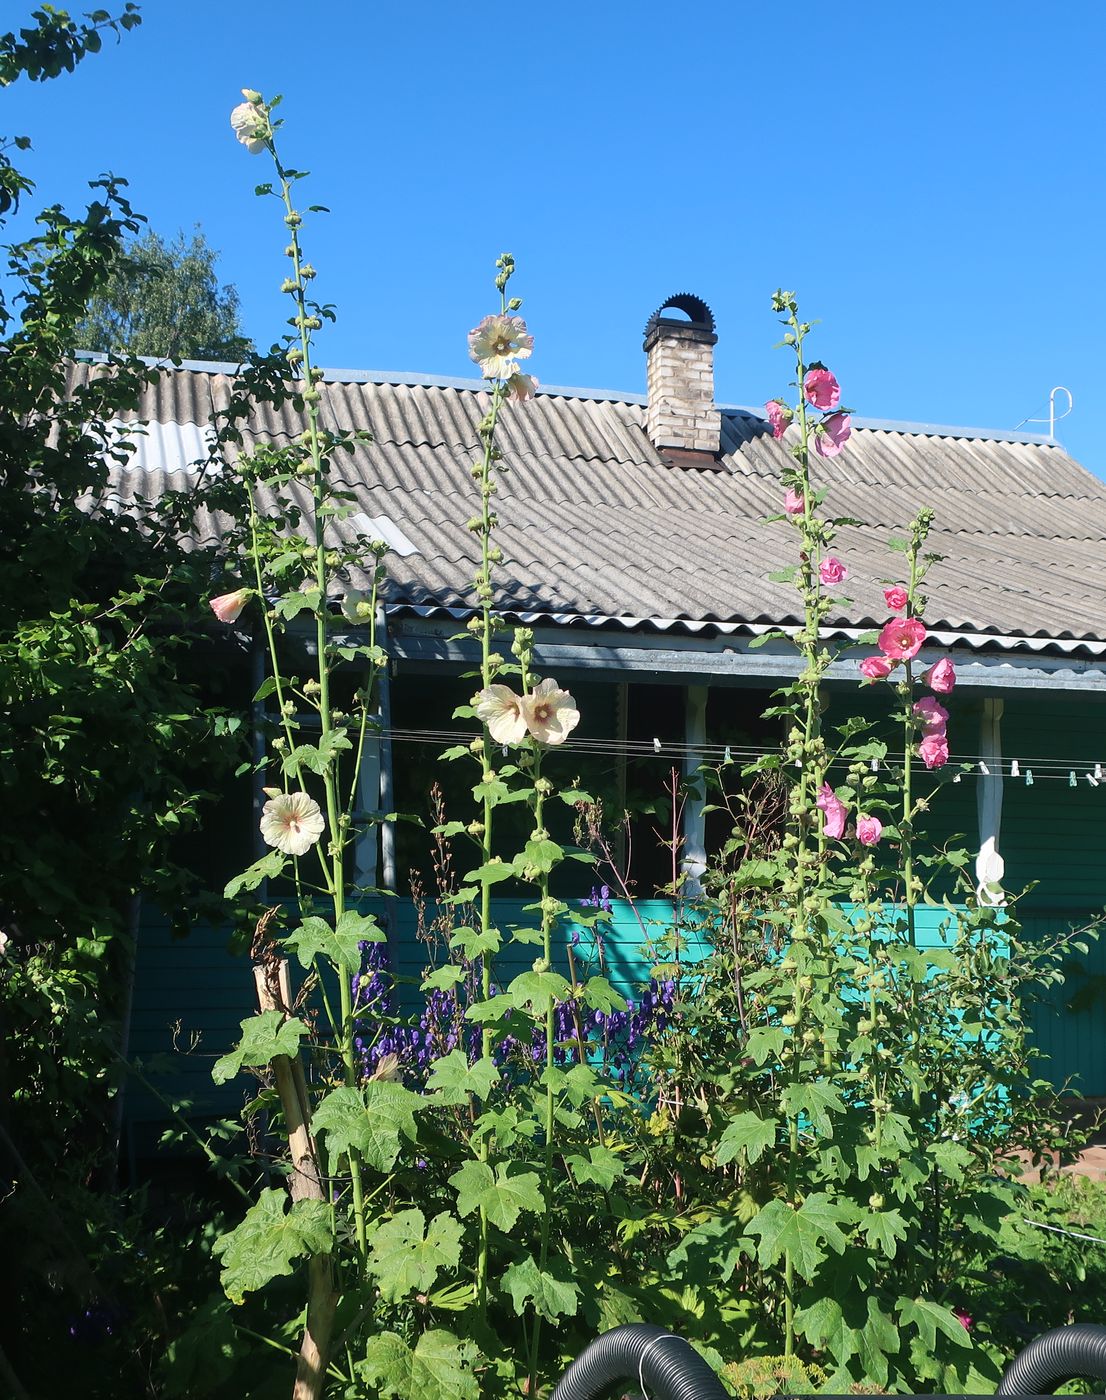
<point>929,178</point>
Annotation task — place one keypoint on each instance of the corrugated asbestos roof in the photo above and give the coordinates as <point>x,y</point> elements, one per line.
<point>594,524</point>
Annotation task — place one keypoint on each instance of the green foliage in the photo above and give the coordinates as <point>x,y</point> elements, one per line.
<point>407,1254</point>
<point>438,1367</point>
<point>269,1240</point>
<point>263,1036</point>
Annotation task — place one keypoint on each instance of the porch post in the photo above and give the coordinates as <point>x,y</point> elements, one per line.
<point>694,859</point>
<point>989,864</point>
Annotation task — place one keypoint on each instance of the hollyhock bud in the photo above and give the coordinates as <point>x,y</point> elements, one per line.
<point>831,570</point>
<point>834,811</point>
<point>793,502</point>
<point>932,713</point>
<point>896,598</point>
<point>902,638</point>
<point>941,676</point>
<point>875,668</point>
<point>228,605</point>
<point>821,388</point>
<point>868,830</point>
<point>934,750</point>
<point>779,415</point>
<point>831,435</point>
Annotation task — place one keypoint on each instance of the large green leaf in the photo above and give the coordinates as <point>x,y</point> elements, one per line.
<point>748,1135</point>
<point>823,1325</point>
<point>439,1368</point>
<point>407,1254</point>
<point>814,1100</point>
<point>263,1036</point>
<point>709,1253</point>
<point>538,990</point>
<point>504,1196</point>
<point>340,945</point>
<point>882,1228</point>
<point>452,1079</point>
<point>930,1318</point>
<point>552,1297</point>
<point>601,1166</point>
<point>267,868</point>
<point>268,1241</point>
<point>371,1120</point>
<point>801,1232</point>
<point>601,996</point>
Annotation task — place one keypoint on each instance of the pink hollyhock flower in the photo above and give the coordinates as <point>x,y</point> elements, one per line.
<point>831,435</point>
<point>521,386</point>
<point>497,342</point>
<point>941,676</point>
<point>902,638</point>
<point>934,749</point>
<point>875,668</point>
<point>292,822</point>
<point>932,713</point>
<point>821,388</point>
<point>550,713</point>
<point>835,812</point>
<point>964,1319</point>
<point>228,605</point>
<point>868,830</point>
<point>831,570</point>
<point>793,502</point>
<point>501,710</point>
<point>779,415</point>
<point>895,598</point>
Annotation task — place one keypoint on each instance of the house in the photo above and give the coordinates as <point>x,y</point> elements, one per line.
<point>635,546</point>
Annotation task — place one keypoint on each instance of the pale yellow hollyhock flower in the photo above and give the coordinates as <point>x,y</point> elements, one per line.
<point>501,710</point>
<point>550,713</point>
<point>292,822</point>
<point>521,386</point>
<point>497,342</point>
<point>251,125</point>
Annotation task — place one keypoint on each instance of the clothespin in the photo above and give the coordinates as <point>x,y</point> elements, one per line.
<point>1029,777</point>
<point>729,756</point>
<point>1071,778</point>
<point>875,765</point>
<point>984,769</point>
<point>1098,772</point>
<point>1090,777</point>
<point>505,751</point>
<point>1015,770</point>
<point>656,745</point>
<point>957,778</point>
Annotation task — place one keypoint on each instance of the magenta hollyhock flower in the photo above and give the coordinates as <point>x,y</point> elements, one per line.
<point>821,388</point>
<point>934,749</point>
<point>965,1319</point>
<point>779,415</point>
<point>876,668</point>
<point>895,598</point>
<point>941,676</point>
<point>793,502</point>
<point>834,811</point>
<point>868,830</point>
<point>228,605</point>
<point>902,638</point>
<point>831,435</point>
<point>932,713</point>
<point>832,571</point>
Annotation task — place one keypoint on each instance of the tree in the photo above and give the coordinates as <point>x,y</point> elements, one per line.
<point>164,299</point>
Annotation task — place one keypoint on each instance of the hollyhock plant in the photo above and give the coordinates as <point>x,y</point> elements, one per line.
<point>821,388</point>
<point>794,502</point>
<point>896,598</point>
<point>934,749</point>
<point>902,638</point>
<point>779,416</point>
<point>228,606</point>
<point>497,342</point>
<point>291,821</point>
<point>932,713</point>
<point>833,810</point>
<point>831,435</point>
<point>868,830</point>
<point>876,668</point>
<point>550,713</point>
<point>502,711</point>
<point>831,571</point>
<point>941,676</point>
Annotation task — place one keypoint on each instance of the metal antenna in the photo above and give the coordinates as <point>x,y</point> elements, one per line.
<point>1053,417</point>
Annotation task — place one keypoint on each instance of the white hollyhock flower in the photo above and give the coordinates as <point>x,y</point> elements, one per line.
<point>251,125</point>
<point>497,342</point>
<point>501,710</point>
<point>292,822</point>
<point>550,713</point>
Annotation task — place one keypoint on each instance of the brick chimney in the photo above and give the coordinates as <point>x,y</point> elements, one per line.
<point>680,417</point>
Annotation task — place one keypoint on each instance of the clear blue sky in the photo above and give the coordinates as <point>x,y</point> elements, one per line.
<point>928,177</point>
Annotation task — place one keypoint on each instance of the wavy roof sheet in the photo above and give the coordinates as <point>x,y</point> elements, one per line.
<point>594,523</point>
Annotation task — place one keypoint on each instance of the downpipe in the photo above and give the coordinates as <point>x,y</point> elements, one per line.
<point>1064,1354</point>
<point>664,1365</point>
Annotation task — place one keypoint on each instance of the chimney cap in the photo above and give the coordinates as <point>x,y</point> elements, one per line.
<point>702,318</point>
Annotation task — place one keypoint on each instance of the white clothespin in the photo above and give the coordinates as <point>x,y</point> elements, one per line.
<point>1091,779</point>
<point>874,765</point>
<point>656,745</point>
<point>729,756</point>
<point>984,769</point>
<point>1015,770</point>
<point>1098,772</point>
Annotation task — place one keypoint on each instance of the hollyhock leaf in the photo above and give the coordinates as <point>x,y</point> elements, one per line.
<point>407,1254</point>
<point>765,1042</point>
<point>552,1297</point>
<point>801,1233</point>
<point>440,1367</point>
<point>877,1339</point>
<point>601,1166</point>
<point>749,1136</point>
<point>290,605</point>
<point>503,1196</point>
<point>315,938</point>
<point>930,1318</point>
<point>371,1120</point>
<point>452,1079</point>
<point>601,996</point>
<point>267,1034</point>
<point>710,1252</point>
<point>540,855</point>
<point>474,943</point>
<point>492,873</point>
<point>444,978</point>
<point>882,1228</point>
<point>823,1325</point>
<point>267,868</point>
<point>817,1100</point>
<point>537,990</point>
<point>268,1241</point>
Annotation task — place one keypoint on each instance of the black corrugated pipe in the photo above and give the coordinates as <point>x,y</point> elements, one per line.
<point>668,1367</point>
<point>1064,1354</point>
